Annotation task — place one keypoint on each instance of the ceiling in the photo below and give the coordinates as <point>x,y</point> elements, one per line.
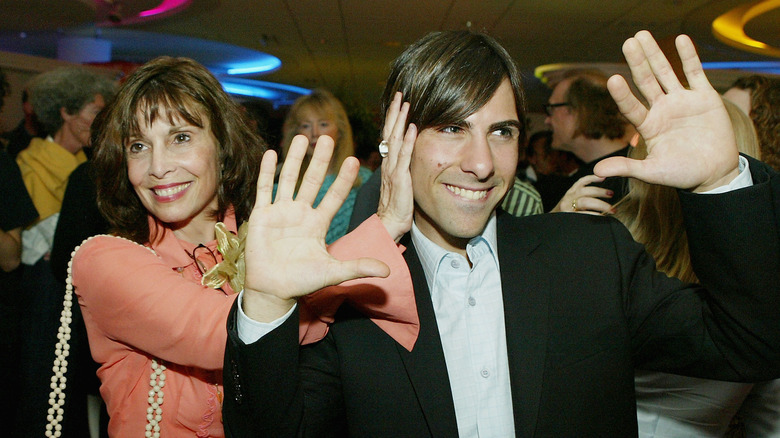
<point>347,45</point>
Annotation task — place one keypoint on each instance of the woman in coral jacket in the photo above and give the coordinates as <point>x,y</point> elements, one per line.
<point>176,168</point>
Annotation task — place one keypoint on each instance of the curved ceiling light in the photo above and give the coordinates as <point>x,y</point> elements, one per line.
<point>166,6</point>
<point>266,64</point>
<point>550,74</point>
<point>123,12</point>
<point>280,94</point>
<point>730,27</point>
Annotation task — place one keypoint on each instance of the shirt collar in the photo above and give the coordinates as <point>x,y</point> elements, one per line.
<point>174,251</point>
<point>431,254</point>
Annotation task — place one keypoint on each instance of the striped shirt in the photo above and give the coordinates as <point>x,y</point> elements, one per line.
<point>522,200</point>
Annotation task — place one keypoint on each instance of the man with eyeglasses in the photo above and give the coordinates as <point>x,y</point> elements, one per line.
<point>586,121</point>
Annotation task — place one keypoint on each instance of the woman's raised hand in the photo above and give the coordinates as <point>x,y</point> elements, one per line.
<point>286,255</point>
<point>396,201</point>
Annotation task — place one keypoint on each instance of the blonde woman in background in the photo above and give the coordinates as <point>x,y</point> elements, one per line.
<point>313,115</point>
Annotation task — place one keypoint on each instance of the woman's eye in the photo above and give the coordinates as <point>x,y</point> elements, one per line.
<point>181,138</point>
<point>135,148</point>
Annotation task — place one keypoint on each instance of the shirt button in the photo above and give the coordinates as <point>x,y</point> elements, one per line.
<point>472,301</point>
<point>455,264</point>
<point>485,373</point>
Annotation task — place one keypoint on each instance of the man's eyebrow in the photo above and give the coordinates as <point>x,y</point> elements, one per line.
<point>506,124</point>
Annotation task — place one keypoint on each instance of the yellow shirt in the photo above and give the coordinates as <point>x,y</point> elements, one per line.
<point>45,167</point>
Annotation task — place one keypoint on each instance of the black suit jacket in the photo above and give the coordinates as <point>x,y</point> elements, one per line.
<point>583,306</point>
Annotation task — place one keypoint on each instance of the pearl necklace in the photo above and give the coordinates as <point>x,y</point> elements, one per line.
<point>60,368</point>
<point>154,411</point>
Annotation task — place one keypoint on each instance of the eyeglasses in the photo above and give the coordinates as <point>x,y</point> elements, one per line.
<point>199,251</point>
<point>549,107</point>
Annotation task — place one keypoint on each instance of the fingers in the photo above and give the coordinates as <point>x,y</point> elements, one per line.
<point>404,156</point>
<point>660,66</point>
<point>396,199</point>
<point>641,72</point>
<point>628,104</point>
<point>317,170</point>
<point>583,196</point>
<point>395,134</point>
<point>288,178</point>
<point>392,115</point>
<point>691,63</point>
<point>650,69</point>
<point>584,181</point>
<point>265,181</point>
<point>340,188</point>
<point>594,192</point>
<point>590,205</point>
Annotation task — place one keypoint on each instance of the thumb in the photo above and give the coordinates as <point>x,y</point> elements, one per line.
<point>359,268</point>
<point>618,166</point>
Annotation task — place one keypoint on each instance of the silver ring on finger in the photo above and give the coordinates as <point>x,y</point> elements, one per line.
<point>383,150</point>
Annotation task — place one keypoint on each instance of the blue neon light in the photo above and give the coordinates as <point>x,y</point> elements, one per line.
<point>755,66</point>
<point>281,93</point>
<point>247,90</point>
<point>270,63</point>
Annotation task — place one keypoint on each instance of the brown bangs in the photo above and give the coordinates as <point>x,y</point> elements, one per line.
<point>153,102</point>
<point>448,76</point>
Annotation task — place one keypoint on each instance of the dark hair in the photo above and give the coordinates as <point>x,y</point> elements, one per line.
<point>173,88</point>
<point>5,88</point>
<point>765,114</point>
<point>447,76</point>
<point>530,151</point>
<point>597,113</point>
<point>68,87</point>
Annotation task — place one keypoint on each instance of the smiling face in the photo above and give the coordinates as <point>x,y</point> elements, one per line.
<point>461,171</point>
<point>172,166</point>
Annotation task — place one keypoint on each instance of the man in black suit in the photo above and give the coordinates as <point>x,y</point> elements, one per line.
<point>527,326</point>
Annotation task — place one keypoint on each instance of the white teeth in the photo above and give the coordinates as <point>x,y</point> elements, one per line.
<point>171,190</point>
<point>468,194</point>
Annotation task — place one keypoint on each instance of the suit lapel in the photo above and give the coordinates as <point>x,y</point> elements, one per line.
<point>425,364</point>
<point>525,289</point>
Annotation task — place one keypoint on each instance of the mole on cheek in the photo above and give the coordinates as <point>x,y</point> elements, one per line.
<point>439,165</point>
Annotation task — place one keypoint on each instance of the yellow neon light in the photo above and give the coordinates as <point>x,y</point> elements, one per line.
<point>729,28</point>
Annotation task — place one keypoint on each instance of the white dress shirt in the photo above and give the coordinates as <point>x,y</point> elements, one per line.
<point>469,308</point>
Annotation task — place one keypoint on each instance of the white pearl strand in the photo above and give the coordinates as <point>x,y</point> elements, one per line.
<point>154,411</point>
<point>60,368</point>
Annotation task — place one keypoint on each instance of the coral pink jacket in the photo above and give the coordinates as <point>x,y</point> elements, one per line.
<point>137,307</point>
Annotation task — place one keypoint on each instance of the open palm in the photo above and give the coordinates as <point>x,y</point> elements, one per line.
<point>690,141</point>
<point>286,255</point>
